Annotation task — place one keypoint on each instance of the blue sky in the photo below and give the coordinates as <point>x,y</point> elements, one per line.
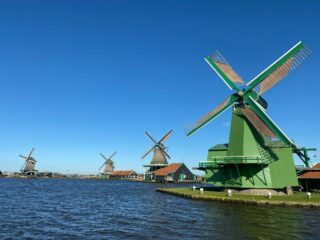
<point>83,77</point>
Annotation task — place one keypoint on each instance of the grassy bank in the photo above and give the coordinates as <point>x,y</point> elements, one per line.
<point>296,200</point>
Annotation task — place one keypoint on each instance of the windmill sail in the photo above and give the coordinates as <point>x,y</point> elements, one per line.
<point>259,125</point>
<point>213,114</point>
<point>269,122</point>
<point>280,68</point>
<point>224,70</point>
<point>165,137</point>
<point>276,76</point>
<point>269,137</point>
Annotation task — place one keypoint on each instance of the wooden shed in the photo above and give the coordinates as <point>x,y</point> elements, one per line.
<point>175,172</point>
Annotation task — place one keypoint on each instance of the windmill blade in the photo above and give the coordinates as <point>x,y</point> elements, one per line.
<point>164,152</point>
<point>103,165</point>
<point>258,124</point>
<point>112,155</point>
<point>103,157</point>
<point>280,68</point>
<point>31,152</point>
<point>148,152</point>
<point>23,166</point>
<point>165,137</point>
<point>269,122</point>
<point>152,139</point>
<point>224,70</point>
<point>23,157</point>
<point>214,113</point>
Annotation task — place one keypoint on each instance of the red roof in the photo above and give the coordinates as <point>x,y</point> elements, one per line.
<point>316,166</point>
<point>168,169</point>
<point>123,173</point>
<point>311,174</point>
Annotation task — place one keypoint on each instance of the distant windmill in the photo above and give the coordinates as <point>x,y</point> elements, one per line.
<point>28,167</point>
<point>160,155</point>
<point>108,165</point>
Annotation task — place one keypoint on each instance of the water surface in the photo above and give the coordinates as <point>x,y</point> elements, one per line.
<point>98,209</point>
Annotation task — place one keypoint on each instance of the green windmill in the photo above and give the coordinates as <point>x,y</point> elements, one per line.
<point>259,154</point>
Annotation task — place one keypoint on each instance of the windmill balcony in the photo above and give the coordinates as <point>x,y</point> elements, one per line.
<point>216,162</point>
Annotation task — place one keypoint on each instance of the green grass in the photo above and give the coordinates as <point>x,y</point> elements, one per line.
<point>295,198</point>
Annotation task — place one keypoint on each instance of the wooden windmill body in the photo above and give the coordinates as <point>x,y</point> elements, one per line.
<point>29,166</point>
<point>160,156</point>
<point>108,166</point>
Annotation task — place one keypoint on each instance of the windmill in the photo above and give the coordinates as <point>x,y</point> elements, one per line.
<point>28,167</point>
<point>160,155</point>
<point>108,165</point>
<point>259,154</point>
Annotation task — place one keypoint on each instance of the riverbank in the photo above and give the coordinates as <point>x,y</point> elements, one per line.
<point>295,200</point>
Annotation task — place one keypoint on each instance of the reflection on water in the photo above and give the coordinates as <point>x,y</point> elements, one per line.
<point>53,208</point>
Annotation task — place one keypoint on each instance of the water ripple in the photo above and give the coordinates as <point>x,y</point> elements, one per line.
<point>96,209</point>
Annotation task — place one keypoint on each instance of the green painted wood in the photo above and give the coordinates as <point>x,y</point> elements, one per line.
<point>277,172</point>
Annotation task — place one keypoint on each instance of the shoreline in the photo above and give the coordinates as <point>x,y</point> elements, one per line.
<point>235,199</point>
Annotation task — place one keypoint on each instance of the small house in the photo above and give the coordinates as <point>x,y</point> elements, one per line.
<point>175,172</point>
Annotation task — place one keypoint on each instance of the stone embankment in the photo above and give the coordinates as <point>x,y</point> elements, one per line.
<point>234,199</point>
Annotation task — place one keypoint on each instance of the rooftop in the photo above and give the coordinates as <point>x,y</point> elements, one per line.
<point>312,173</point>
<point>316,165</point>
<point>168,169</point>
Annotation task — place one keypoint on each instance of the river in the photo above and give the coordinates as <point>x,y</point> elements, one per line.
<point>99,209</point>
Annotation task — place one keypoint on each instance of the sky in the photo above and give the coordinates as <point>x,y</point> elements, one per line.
<point>83,77</point>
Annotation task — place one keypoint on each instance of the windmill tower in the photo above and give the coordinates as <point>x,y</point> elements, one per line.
<point>259,154</point>
<point>108,166</point>
<point>28,168</point>
<point>160,155</point>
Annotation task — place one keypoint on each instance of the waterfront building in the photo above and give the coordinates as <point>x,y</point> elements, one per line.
<point>175,172</point>
<point>309,180</point>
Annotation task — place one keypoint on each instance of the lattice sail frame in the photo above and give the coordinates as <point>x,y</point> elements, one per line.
<point>225,67</point>
<point>269,137</point>
<point>280,68</point>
